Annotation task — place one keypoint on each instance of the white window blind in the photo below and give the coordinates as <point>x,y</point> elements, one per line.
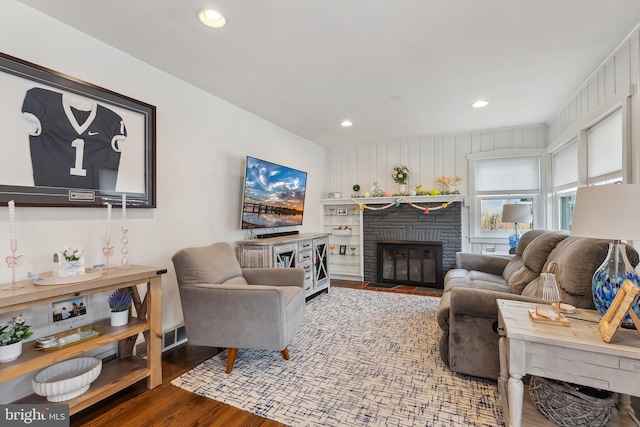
<point>604,146</point>
<point>565,166</point>
<point>508,174</point>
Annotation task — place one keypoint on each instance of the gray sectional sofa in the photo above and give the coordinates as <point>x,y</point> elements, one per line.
<point>468,312</point>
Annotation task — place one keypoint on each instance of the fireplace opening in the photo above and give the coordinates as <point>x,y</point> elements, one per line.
<point>410,263</point>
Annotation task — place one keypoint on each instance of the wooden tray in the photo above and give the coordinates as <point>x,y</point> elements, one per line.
<point>562,321</point>
<point>49,279</point>
<point>82,330</point>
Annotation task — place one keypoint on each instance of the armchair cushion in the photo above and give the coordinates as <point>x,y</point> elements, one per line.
<point>208,264</point>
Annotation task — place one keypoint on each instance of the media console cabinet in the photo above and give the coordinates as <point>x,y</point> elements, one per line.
<point>116,375</point>
<point>307,251</point>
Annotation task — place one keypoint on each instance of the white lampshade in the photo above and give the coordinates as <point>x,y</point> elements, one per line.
<point>607,212</point>
<point>518,213</point>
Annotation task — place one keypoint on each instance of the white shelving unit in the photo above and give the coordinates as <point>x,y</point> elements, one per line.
<point>348,265</point>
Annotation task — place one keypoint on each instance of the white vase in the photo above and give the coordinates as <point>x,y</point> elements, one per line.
<point>119,318</point>
<point>403,188</point>
<point>10,352</point>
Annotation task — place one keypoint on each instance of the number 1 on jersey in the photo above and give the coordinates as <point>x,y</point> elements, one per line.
<point>77,170</point>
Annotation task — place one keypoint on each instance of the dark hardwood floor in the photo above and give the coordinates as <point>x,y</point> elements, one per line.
<point>167,405</point>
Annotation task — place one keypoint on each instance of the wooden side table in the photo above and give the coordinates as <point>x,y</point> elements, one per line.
<point>576,354</point>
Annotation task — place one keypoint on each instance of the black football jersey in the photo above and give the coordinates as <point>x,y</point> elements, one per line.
<point>72,147</point>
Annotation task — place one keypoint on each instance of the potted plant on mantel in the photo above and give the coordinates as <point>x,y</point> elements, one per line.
<point>11,336</point>
<point>119,303</point>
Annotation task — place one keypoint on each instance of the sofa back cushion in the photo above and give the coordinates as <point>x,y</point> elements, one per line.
<point>578,258</point>
<point>527,238</point>
<point>523,269</point>
<point>536,253</point>
<point>214,264</point>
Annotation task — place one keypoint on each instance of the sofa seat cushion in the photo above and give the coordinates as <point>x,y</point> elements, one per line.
<point>455,273</point>
<point>475,284</point>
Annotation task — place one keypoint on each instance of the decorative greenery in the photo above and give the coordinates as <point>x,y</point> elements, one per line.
<point>120,301</point>
<point>400,174</point>
<point>356,188</point>
<point>72,253</point>
<point>15,331</point>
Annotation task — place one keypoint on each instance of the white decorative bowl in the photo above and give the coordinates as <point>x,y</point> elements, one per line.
<point>68,379</point>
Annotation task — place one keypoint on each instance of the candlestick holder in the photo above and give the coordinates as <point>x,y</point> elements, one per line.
<point>125,248</point>
<point>14,261</point>
<point>107,251</point>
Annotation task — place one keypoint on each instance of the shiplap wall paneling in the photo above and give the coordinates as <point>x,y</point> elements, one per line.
<point>610,82</point>
<point>428,157</point>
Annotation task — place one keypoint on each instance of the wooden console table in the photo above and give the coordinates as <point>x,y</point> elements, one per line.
<point>576,354</point>
<point>116,375</point>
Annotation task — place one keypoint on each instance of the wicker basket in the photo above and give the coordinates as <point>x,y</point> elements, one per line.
<point>567,407</point>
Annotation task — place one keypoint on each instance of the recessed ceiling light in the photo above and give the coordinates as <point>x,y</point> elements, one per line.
<point>211,18</point>
<point>396,97</point>
<point>345,123</point>
<point>479,104</point>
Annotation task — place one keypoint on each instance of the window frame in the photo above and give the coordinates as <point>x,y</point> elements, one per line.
<point>476,234</point>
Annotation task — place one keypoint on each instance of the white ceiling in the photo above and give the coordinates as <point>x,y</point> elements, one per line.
<point>308,64</point>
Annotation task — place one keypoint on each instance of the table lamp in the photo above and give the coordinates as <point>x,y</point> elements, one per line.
<point>516,213</point>
<point>609,212</point>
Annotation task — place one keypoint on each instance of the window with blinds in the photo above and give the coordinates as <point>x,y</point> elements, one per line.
<point>500,181</point>
<point>507,174</point>
<point>604,149</point>
<point>564,164</point>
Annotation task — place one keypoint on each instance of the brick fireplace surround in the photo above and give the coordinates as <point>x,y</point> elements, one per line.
<point>410,224</point>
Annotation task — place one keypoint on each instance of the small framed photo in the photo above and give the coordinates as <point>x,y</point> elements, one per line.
<point>343,249</point>
<point>341,211</point>
<point>335,195</point>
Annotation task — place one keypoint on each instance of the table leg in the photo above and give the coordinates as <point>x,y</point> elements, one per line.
<point>624,406</point>
<point>504,371</point>
<point>515,397</point>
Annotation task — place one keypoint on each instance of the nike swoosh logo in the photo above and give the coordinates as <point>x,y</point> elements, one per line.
<point>93,133</point>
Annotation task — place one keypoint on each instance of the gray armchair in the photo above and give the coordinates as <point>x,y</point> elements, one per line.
<point>227,306</point>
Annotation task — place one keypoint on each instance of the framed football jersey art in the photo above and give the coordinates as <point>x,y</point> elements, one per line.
<point>66,142</point>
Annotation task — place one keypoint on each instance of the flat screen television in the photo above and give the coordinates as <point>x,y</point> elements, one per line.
<point>273,195</point>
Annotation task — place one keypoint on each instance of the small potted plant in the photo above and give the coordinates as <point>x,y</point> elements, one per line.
<point>119,303</point>
<point>11,336</point>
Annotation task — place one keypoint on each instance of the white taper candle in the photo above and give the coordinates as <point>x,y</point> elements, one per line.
<point>108,219</point>
<point>124,209</point>
<point>12,220</point>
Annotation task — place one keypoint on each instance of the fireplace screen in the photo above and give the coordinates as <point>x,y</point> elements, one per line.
<point>410,263</point>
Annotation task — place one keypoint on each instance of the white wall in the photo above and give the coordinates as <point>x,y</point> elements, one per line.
<point>201,144</point>
<point>428,157</point>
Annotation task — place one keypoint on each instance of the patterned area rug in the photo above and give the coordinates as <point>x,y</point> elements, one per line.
<point>360,358</point>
